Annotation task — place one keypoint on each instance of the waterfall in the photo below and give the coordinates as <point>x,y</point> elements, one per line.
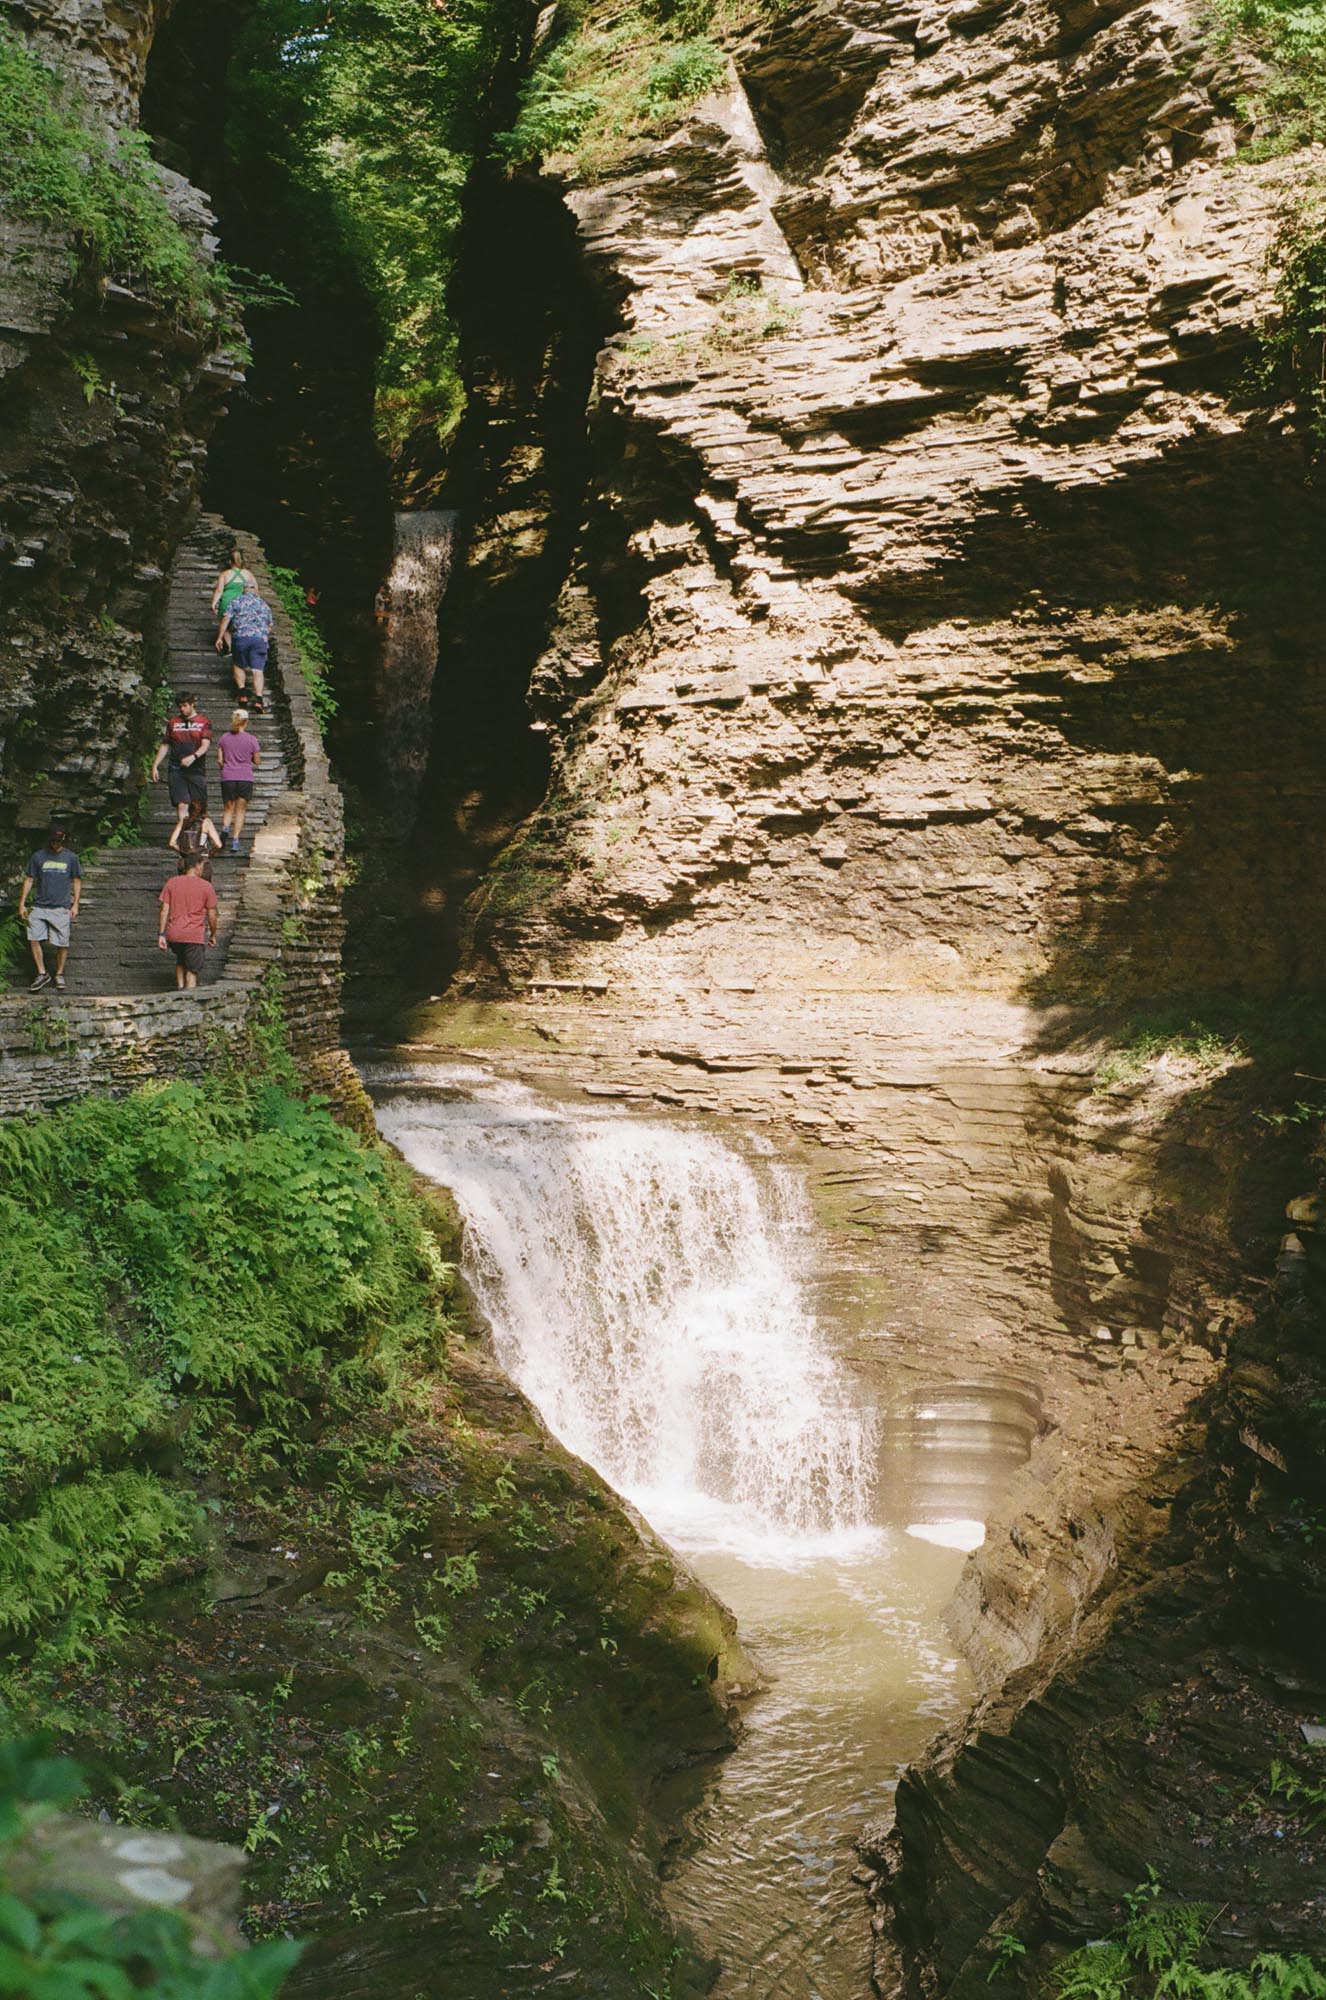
<point>642,1286</point>
<point>420,570</point>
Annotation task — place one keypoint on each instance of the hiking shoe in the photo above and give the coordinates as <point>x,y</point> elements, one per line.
<point>59,982</point>
<point>42,979</point>
<point>234,847</point>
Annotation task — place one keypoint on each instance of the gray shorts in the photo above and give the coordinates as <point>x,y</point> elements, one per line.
<point>48,927</point>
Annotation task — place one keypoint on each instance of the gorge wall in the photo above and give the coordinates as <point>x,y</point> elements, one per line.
<point>934,688</point>
<point>107,396</point>
<point>937,623</point>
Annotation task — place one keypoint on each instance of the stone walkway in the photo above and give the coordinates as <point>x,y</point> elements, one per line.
<point>114,949</point>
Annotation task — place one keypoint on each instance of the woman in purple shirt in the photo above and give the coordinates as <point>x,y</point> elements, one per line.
<point>240,758</point>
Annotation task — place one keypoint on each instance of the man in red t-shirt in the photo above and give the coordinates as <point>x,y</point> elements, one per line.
<point>188,921</point>
<point>184,748</point>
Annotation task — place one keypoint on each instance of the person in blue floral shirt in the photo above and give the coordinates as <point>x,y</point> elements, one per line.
<point>249,622</point>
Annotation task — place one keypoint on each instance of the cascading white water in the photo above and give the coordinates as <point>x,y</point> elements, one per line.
<point>416,585</point>
<point>642,1285</point>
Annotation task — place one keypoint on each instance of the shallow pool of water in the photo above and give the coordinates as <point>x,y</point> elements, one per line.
<point>860,1678</point>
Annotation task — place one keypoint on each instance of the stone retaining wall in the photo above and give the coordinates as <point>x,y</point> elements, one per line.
<point>289,923</point>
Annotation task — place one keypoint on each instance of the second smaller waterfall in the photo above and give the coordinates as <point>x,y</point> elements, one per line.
<point>420,572</point>
<point>642,1285</point>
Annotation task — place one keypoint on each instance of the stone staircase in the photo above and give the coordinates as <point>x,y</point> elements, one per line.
<point>114,948</point>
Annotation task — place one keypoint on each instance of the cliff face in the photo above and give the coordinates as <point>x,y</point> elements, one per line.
<point>105,401</point>
<point>938,660</point>
<point>938,621</point>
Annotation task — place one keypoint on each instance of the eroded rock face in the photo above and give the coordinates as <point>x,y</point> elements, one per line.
<point>104,406</point>
<point>942,643</point>
<point>941,620</point>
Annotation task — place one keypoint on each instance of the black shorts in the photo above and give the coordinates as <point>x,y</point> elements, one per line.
<point>236,788</point>
<point>190,956</point>
<point>186,786</point>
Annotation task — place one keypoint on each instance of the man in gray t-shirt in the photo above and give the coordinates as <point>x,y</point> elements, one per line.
<point>54,881</point>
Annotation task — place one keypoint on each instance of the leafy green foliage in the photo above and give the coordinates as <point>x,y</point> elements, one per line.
<point>1008,1950</point>
<point>32,1784</point>
<point>60,1947</point>
<point>610,79</point>
<point>62,1565</point>
<point>12,935</point>
<point>313,654</point>
<point>1289,40</point>
<point>1287,111</point>
<point>244,1231</point>
<point>163,1256</point>
<point>1156,1955</point>
<point>1291,355</point>
<point>682,76</point>
<point>1145,1043</point>
<point>367,115</point>
<point>1306,1795</point>
<point>57,162</point>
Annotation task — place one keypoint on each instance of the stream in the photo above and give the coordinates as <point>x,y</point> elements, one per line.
<point>648,1283</point>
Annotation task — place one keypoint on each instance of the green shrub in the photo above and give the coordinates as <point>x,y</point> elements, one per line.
<point>1287,111</point>
<point>55,1946</point>
<point>683,76</point>
<point>244,1232</point>
<point>167,1258</point>
<point>73,1391</point>
<point>1305,1795</point>
<point>607,82</point>
<point>12,936</point>
<point>1288,108</point>
<point>1158,1952</point>
<point>1291,354</point>
<point>107,1535</point>
<point>314,656</point>
<point>1143,1043</point>
<point>361,122</point>
<point>57,163</point>
<point>554,111</point>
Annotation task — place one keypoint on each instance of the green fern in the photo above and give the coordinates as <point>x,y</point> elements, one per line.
<point>1306,1795</point>
<point>163,1259</point>
<point>57,161</point>
<point>1155,1955</point>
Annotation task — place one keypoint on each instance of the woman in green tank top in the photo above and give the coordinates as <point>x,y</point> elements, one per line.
<point>230,585</point>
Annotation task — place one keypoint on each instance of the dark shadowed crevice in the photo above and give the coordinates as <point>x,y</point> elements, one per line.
<point>532,331</point>
<point>296,460</point>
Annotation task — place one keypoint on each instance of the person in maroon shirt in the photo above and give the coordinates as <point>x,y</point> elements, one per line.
<point>186,742</point>
<point>188,921</point>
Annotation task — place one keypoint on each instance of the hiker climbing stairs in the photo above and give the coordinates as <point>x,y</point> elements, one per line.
<point>114,948</point>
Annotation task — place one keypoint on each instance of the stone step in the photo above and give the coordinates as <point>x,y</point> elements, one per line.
<point>114,947</point>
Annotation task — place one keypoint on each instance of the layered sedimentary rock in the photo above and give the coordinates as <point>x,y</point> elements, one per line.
<point>936,590</point>
<point>940,656</point>
<point>105,401</point>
